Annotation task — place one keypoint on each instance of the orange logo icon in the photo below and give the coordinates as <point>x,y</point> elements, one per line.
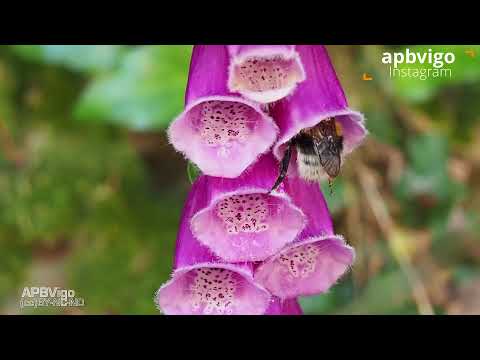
<point>366,77</point>
<point>470,53</point>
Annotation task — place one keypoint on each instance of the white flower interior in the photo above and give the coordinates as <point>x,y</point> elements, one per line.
<point>300,261</point>
<point>224,121</point>
<point>214,290</point>
<point>259,74</point>
<point>244,213</point>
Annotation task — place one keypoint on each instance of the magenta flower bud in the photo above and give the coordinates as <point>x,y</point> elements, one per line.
<point>284,307</point>
<point>240,221</point>
<point>203,284</point>
<point>316,260</point>
<point>316,99</point>
<point>218,131</point>
<point>264,73</point>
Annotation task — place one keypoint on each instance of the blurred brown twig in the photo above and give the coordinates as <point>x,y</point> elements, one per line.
<point>389,230</point>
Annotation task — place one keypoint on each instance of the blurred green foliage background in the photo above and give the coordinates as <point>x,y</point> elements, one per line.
<point>91,191</point>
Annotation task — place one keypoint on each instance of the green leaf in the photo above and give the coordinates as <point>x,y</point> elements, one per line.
<point>145,93</point>
<point>14,260</point>
<point>142,259</point>
<point>384,294</point>
<point>382,126</point>
<point>428,153</point>
<point>465,273</point>
<point>84,58</point>
<point>426,183</point>
<point>327,303</point>
<point>427,173</point>
<point>193,172</point>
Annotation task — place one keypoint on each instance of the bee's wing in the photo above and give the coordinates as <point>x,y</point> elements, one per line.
<point>321,146</point>
<point>329,157</point>
<point>331,163</point>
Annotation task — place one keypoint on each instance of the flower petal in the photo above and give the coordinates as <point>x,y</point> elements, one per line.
<point>316,259</point>
<point>308,197</point>
<point>212,289</point>
<point>284,307</point>
<point>306,267</point>
<point>264,73</point>
<point>239,221</point>
<point>221,133</point>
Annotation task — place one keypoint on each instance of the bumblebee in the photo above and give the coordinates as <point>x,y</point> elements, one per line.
<point>319,151</point>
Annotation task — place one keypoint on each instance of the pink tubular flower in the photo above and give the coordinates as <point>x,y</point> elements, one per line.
<point>201,283</point>
<point>264,73</point>
<point>220,132</point>
<point>284,307</point>
<point>319,97</point>
<point>316,260</point>
<point>239,221</point>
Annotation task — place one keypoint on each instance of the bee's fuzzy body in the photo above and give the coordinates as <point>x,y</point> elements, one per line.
<point>319,152</point>
<point>309,167</point>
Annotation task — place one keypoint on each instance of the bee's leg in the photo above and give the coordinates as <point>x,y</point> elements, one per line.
<point>330,185</point>
<point>283,167</point>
